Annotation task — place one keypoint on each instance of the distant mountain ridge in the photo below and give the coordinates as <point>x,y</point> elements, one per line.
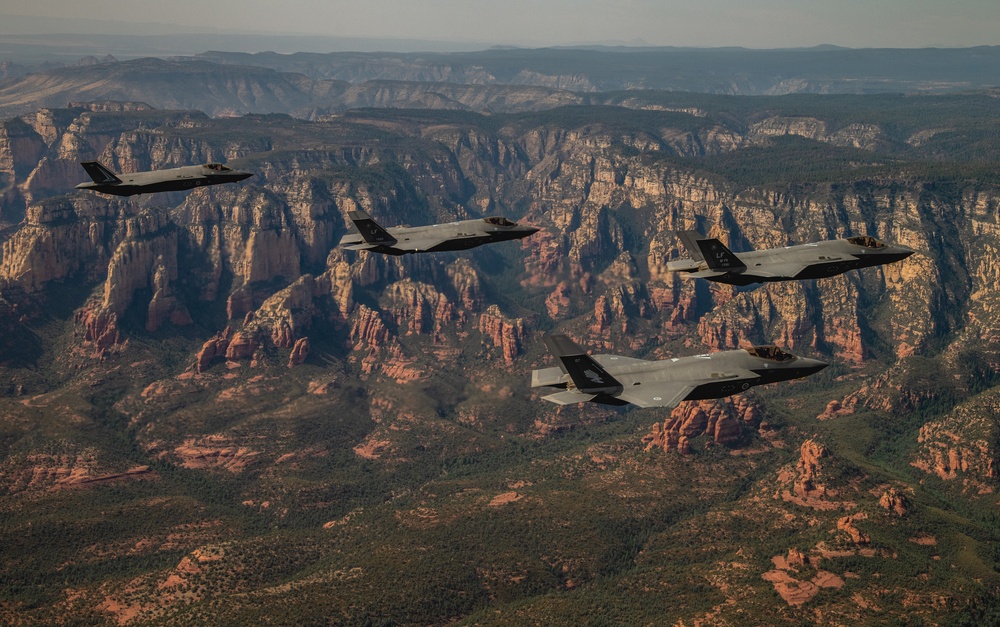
<point>309,86</point>
<point>734,71</point>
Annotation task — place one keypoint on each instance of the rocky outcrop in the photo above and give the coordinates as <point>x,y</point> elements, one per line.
<point>847,525</point>
<point>894,502</point>
<point>44,471</point>
<point>300,351</point>
<point>725,421</point>
<point>788,581</point>
<point>377,350</point>
<point>502,332</point>
<point>805,485</point>
<point>100,328</point>
<point>810,455</point>
<point>242,345</point>
<point>287,314</point>
<point>960,446</point>
<point>214,453</point>
<point>213,348</point>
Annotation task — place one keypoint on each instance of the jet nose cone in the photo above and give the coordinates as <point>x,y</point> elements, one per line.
<point>899,253</point>
<point>812,365</point>
<point>530,230</point>
<point>243,175</point>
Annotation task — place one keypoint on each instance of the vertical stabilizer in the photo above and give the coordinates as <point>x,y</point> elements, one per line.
<point>370,230</point>
<point>588,376</point>
<point>99,173</point>
<point>718,257</point>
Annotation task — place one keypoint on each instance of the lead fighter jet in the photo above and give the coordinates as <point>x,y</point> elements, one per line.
<point>616,380</point>
<point>168,180</point>
<point>401,240</point>
<point>713,261</point>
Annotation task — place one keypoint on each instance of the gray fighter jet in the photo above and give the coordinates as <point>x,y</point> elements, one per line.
<point>400,240</point>
<point>713,261</point>
<point>169,180</point>
<point>616,380</point>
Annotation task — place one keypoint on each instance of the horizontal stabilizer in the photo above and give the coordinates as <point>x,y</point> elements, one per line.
<point>683,265</point>
<point>704,274</point>
<point>569,397</point>
<point>100,174</point>
<point>547,376</point>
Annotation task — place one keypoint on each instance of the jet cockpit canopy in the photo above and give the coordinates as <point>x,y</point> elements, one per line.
<point>770,352</point>
<point>218,167</point>
<point>499,221</point>
<point>867,241</point>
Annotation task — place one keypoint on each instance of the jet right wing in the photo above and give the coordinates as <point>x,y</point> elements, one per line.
<point>667,394</point>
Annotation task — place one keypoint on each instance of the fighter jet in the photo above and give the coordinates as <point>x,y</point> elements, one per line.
<point>713,261</point>
<point>400,240</point>
<point>616,380</point>
<point>169,180</point>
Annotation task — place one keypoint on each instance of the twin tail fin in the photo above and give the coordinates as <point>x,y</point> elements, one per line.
<point>710,250</point>
<point>588,376</point>
<point>370,230</point>
<point>101,174</point>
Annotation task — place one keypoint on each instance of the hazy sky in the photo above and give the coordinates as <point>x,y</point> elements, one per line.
<point>750,23</point>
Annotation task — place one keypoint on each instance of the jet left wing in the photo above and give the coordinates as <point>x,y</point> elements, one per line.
<point>431,241</point>
<point>666,394</point>
<point>790,269</point>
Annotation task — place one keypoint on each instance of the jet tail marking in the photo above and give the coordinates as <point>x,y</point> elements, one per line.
<point>101,174</point>
<point>718,257</point>
<point>370,230</point>
<point>588,376</point>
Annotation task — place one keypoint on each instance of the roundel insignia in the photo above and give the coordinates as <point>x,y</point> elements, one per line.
<point>657,398</point>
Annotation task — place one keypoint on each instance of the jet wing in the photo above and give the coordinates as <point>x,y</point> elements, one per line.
<point>431,241</point>
<point>667,394</point>
<point>789,269</point>
<point>617,360</point>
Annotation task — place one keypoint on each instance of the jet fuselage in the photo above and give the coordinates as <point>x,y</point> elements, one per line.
<point>713,375</point>
<point>167,180</point>
<point>816,260</point>
<point>452,236</point>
